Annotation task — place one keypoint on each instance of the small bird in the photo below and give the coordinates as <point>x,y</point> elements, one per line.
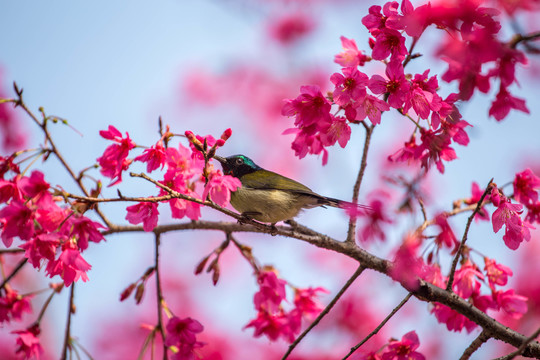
<point>270,197</point>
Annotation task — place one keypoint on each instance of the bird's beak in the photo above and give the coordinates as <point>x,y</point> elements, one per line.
<point>223,161</point>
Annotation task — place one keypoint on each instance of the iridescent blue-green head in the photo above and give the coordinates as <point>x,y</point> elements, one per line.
<point>237,165</point>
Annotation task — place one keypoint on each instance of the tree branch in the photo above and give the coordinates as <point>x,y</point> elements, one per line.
<point>465,234</point>
<point>67,334</point>
<point>376,330</point>
<point>325,311</point>
<point>475,345</point>
<point>356,190</point>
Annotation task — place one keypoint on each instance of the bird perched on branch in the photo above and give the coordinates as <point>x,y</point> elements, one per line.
<point>270,197</point>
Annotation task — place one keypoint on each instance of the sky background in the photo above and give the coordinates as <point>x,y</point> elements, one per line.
<point>123,63</point>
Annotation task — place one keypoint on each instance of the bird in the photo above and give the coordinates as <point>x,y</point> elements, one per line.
<point>269,197</point>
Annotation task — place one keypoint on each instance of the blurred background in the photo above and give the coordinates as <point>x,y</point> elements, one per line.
<point>206,66</point>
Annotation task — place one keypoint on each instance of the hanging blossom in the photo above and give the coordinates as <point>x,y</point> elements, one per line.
<point>272,319</point>
<point>508,214</point>
<point>51,237</point>
<point>405,349</point>
<point>114,160</point>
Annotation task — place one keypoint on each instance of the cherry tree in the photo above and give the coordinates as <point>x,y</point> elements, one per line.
<point>403,255</point>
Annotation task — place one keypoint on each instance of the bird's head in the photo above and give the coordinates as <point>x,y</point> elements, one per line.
<point>237,165</point>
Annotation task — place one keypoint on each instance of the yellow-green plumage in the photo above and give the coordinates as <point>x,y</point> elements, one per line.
<point>267,196</point>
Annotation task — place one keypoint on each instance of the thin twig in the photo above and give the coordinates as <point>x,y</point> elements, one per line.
<point>376,330</point>
<point>475,345</point>
<point>325,311</point>
<point>523,38</point>
<point>67,334</point>
<point>464,238</point>
<point>522,347</point>
<point>43,125</point>
<point>13,273</point>
<point>45,305</point>
<point>356,190</point>
<point>159,295</point>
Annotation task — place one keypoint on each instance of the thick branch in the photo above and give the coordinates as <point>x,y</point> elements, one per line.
<point>424,291</point>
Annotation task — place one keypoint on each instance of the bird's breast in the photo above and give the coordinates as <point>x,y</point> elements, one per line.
<point>266,205</point>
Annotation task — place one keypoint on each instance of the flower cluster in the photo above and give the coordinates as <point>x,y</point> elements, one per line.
<point>183,168</point>
<point>437,120</point>
<point>468,280</point>
<point>272,320</point>
<point>52,236</point>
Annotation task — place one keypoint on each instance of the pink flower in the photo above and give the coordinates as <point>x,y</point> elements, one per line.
<point>389,42</point>
<point>13,305</point>
<point>351,56</point>
<point>17,220</point>
<point>306,303</point>
<point>407,266</point>
<point>533,213</point>
<point>28,342</point>
<point>180,162</point>
<point>114,160</point>
<point>390,18</point>
<point>454,321</point>
<point>504,102</point>
<point>182,333</point>
<point>9,189</point>
<point>516,229</point>
<point>49,215</point>
<point>375,219</point>
<point>181,208</point>
<point>466,280</point>
<point>514,305</point>
<point>271,292</point>
<point>219,187</point>
<point>34,185</point>
<point>273,326</point>
<point>339,132</point>
<point>70,266</point>
<point>310,107</point>
<point>84,230</point>
<point>396,86</point>
<point>7,164</point>
<point>497,273</point>
<point>404,349</point>
<point>372,108</point>
<point>143,212</point>
<point>476,194</point>
<point>525,184</point>
<point>446,236</point>
<point>153,157</point>
<point>309,141</point>
<point>291,27</point>
<point>12,135</point>
<point>350,86</point>
<point>435,148</point>
<point>42,247</point>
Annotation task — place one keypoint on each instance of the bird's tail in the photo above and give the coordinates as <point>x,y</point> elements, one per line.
<point>347,205</point>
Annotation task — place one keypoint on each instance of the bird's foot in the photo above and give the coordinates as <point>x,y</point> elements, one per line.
<point>273,229</point>
<point>293,224</point>
<point>246,217</point>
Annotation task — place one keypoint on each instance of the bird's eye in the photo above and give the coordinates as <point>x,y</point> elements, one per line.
<point>239,161</point>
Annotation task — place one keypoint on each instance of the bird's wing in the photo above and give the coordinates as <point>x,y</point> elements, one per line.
<point>264,179</point>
